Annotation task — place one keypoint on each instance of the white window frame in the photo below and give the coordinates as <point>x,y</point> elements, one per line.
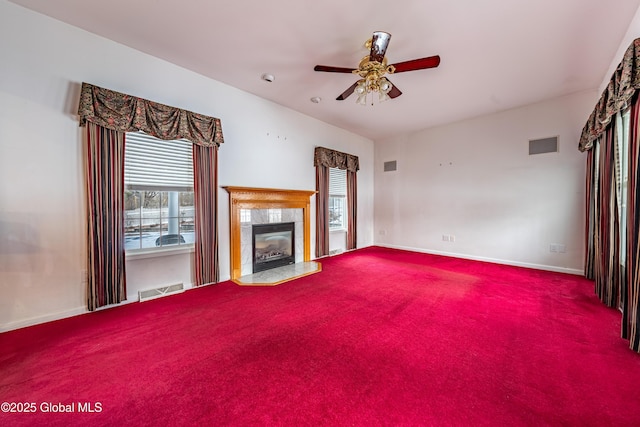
<point>164,167</point>
<point>338,195</point>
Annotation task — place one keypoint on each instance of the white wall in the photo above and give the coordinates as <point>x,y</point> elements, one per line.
<point>42,195</point>
<point>475,180</point>
<point>633,32</point>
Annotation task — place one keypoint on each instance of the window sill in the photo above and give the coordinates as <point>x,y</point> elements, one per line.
<point>156,253</point>
<point>338,230</point>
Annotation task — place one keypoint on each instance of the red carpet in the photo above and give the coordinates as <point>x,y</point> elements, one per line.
<point>379,337</point>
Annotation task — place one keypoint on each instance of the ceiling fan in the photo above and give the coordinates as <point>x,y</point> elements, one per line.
<point>373,67</point>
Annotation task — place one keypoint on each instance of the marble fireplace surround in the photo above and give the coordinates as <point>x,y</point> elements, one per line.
<point>265,198</point>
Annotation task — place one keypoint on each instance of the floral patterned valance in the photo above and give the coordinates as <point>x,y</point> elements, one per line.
<point>335,159</point>
<point>623,85</point>
<point>126,113</point>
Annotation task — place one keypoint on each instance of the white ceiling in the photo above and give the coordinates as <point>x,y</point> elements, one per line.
<point>496,54</point>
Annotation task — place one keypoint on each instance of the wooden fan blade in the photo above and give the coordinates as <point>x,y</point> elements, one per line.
<point>394,92</point>
<point>344,95</point>
<point>330,69</point>
<point>379,43</point>
<point>417,64</point>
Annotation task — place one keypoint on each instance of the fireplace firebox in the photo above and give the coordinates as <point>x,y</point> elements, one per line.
<point>273,245</point>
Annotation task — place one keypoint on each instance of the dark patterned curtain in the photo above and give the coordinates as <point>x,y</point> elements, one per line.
<point>114,114</point>
<point>205,194</point>
<point>623,85</point>
<point>126,113</point>
<point>630,297</point>
<point>352,209</point>
<point>322,211</point>
<point>615,282</point>
<point>106,282</point>
<point>606,253</point>
<point>590,209</point>
<point>323,159</point>
<point>335,159</point>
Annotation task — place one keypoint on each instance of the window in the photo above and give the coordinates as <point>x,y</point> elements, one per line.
<point>337,199</point>
<point>158,199</point>
<point>623,140</point>
<point>275,215</point>
<point>622,126</point>
<point>245,215</point>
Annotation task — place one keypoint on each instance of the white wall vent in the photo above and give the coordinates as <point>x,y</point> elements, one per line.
<point>162,291</point>
<point>543,145</point>
<point>335,251</point>
<point>390,166</point>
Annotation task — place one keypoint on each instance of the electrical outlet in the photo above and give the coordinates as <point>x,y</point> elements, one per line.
<point>452,238</point>
<point>445,237</point>
<point>553,248</point>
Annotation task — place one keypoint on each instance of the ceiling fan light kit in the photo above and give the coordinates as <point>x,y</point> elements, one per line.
<point>372,70</point>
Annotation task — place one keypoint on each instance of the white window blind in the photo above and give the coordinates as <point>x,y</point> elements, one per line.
<point>337,182</point>
<point>158,165</point>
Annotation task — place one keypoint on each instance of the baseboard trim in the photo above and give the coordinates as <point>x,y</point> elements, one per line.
<point>32,321</point>
<point>487,259</point>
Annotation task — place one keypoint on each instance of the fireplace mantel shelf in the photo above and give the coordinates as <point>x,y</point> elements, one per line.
<point>272,196</point>
<point>264,198</point>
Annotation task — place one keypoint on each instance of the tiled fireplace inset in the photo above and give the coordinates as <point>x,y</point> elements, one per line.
<point>251,217</point>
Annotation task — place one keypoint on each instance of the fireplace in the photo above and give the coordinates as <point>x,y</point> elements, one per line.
<point>295,206</point>
<point>273,245</point>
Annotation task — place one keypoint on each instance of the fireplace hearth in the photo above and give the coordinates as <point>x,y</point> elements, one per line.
<point>273,245</point>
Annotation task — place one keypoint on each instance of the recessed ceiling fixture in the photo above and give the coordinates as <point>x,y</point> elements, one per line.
<point>316,99</point>
<point>373,67</point>
<point>268,77</point>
